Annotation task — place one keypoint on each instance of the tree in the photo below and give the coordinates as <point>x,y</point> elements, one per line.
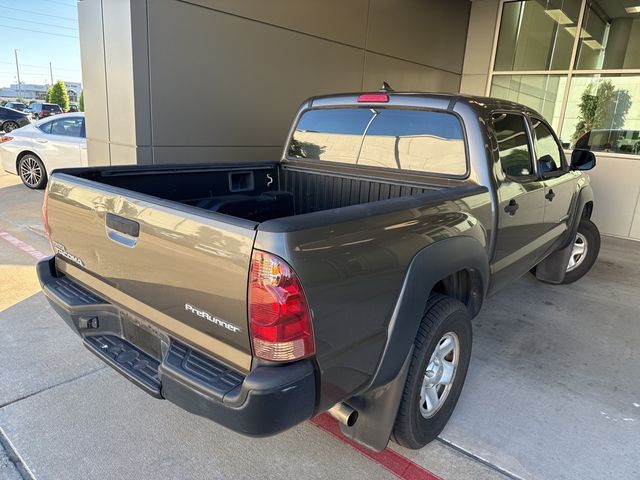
<point>59,95</point>
<point>47,96</point>
<point>81,101</point>
<point>594,107</point>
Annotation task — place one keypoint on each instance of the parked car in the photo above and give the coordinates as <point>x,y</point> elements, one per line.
<point>73,108</point>
<point>342,277</point>
<point>21,107</point>
<point>43,110</point>
<point>11,119</point>
<point>34,151</point>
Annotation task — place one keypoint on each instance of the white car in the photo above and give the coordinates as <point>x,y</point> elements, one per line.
<point>35,150</point>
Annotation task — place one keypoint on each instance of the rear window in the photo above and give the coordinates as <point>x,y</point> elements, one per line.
<point>51,108</point>
<point>414,140</point>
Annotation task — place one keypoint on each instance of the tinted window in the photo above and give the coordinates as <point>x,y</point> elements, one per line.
<point>547,150</point>
<point>45,127</point>
<point>390,138</point>
<point>69,127</point>
<point>513,146</point>
<point>51,108</point>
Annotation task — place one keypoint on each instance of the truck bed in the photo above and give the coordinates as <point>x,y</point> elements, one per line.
<point>251,192</point>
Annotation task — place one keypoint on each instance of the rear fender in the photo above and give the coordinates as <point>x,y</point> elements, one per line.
<point>378,406</point>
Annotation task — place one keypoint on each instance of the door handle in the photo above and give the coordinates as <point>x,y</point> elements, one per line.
<point>549,196</point>
<point>122,230</point>
<point>41,140</point>
<point>512,207</point>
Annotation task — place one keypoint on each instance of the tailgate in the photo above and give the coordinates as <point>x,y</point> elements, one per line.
<point>181,268</point>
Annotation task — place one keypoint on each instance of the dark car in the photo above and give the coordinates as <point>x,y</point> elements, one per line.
<point>11,119</point>
<point>73,108</point>
<point>21,107</point>
<point>43,110</point>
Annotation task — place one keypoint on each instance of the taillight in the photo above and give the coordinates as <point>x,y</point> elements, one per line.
<point>5,139</point>
<point>279,315</point>
<point>373,98</point>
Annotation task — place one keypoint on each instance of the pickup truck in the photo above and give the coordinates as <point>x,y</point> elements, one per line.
<point>342,278</point>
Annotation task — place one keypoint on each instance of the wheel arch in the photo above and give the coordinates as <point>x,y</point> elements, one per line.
<point>23,153</point>
<point>456,266</point>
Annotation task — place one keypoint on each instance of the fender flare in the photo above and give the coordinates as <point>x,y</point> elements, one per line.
<point>430,265</point>
<point>378,406</point>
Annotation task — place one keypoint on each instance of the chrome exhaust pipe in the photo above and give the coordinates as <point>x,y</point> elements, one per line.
<point>344,414</point>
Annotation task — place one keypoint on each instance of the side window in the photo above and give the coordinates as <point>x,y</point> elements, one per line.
<point>45,127</point>
<point>547,149</point>
<point>68,127</point>
<point>513,147</point>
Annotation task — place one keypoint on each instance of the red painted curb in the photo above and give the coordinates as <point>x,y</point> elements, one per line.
<point>20,245</point>
<point>390,460</point>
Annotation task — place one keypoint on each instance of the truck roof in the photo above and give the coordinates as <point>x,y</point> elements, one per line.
<point>445,101</point>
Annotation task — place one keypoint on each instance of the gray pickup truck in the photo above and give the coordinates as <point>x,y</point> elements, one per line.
<point>341,278</point>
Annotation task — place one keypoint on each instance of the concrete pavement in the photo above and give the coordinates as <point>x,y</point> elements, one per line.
<point>551,392</point>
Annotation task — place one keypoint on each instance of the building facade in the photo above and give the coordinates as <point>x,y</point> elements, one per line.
<point>171,81</point>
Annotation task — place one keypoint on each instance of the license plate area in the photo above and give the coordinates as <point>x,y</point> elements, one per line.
<point>141,334</point>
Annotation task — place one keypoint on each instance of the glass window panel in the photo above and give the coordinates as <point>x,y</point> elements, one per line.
<point>542,93</point>
<point>378,137</point>
<point>609,37</point>
<point>533,35</point>
<point>330,134</point>
<point>547,149</point>
<point>513,146</point>
<point>415,140</point>
<point>603,113</point>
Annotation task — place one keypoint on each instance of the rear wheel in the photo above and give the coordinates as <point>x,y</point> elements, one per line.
<point>442,350</point>
<point>9,126</point>
<point>32,171</point>
<point>584,252</point>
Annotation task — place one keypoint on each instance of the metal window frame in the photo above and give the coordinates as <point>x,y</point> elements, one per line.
<point>569,72</point>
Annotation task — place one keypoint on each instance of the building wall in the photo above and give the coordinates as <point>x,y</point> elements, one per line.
<point>214,80</point>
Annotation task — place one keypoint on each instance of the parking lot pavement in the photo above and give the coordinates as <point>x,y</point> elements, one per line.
<point>551,392</point>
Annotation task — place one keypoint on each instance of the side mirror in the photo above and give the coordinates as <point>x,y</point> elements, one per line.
<point>547,164</point>
<point>582,160</point>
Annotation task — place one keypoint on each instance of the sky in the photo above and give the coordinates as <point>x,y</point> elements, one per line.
<point>42,31</point>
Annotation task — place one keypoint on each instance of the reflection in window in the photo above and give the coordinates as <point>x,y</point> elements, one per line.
<point>415,140</point>
<point>513,147</point>
<point>399,139</point>
<point>547,150</point>
<point>609,37</point>
<point>603,113</point>
<point>533,35</point>
<point>542,93</point>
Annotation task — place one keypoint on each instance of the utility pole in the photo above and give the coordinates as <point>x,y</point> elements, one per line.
<point>18,73</point>
<point>51,73</point>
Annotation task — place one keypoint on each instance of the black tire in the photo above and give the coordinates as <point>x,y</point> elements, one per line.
<point>31,163</point>
<point>443,315</point>
<point>590,235</point>
<point>9,126</point>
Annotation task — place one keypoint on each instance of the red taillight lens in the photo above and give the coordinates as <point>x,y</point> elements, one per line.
<point>373,98</point>
<point>5,139</point>
<point>279,315</point>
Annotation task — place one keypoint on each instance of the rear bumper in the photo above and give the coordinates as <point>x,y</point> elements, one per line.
<point>266,401</point>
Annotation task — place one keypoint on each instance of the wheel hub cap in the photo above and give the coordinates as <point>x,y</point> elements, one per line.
<point>578,252</point>
<point>439,375</point>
